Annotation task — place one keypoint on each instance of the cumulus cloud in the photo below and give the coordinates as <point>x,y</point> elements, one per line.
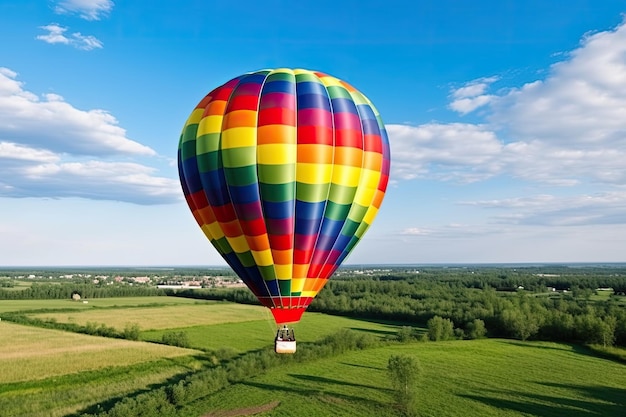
<point>90,179</point>
<point>51,123</point>
<point>85,9</point>
<point>550,210</point>
<point>581,103</point>
<point>457,151</point>
<point>566,129</point>
<point>49,148</point>
<point>56,34</point>
<point>472,95</point>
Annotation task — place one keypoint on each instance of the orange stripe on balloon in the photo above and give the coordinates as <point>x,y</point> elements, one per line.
<point>239,118</point>
<point>348,156</point>
<point>315,154</point>
<point>271,134</point>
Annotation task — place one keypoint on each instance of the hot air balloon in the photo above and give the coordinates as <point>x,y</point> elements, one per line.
<point>284,170</point>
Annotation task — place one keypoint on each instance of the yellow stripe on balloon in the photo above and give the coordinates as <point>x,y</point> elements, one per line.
<point>370,215</point>
<point>276,154</point>
<point>215,230</point>
<point>364,196</point>
<point>239,244</point>
<point>297,284</point>
<point>314,173</point>
<point>329,81</point>
<point>195,116</point>
<point>210,124</point>
<point>238,137</point>
<point>347,176</point>
<point>263,258</point>
<point>369,178</point>
<point>283,272</point>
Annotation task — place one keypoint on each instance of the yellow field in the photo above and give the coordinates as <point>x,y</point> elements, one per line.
<point>162,317</point>
<point>30,353</point>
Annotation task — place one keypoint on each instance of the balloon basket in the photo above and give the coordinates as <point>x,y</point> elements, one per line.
<point>285,341</point>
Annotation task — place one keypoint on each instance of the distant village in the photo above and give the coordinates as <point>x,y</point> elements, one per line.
<point>183,281</point>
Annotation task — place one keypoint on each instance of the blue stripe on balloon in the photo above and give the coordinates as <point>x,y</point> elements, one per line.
<point>313,101</point>
<point>192,177</point>
<point>244,194</point>
<point>342,242</point>
<point>310,87</point>
<point>343,105</point>
<point>307,210</point>
<point>307,227</point>
<point>366,112</point>
<point>370,127</point>
<point>215,187</point>
<point>278,210</point>
<point>279,86</point>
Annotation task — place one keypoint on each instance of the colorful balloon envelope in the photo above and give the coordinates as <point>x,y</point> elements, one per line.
<point>284,170</point>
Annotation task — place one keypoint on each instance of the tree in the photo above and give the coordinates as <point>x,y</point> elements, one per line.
<point>404,371</point>
<point>440,329</point>
<point>476,329</point>
<point>131,331</point>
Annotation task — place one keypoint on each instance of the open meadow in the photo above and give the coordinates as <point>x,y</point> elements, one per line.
<point>56,373</point>
<point>490,377</point>
<point>53,373</point>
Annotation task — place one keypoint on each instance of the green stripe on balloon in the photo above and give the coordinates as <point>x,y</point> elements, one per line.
<point>312,193</point>
<point>209,161</point>
<point>241,175</point>
<point>276,193</point>
<point>239,157</point>
<point>277,174</point>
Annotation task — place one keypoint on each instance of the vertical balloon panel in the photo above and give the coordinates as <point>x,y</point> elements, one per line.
<point>284,170</point>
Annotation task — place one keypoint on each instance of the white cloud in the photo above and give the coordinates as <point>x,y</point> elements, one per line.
<point>53,124</point>
<point>549,210</point>
<point>581,103</point>
<point>566,129</point>
<point>48,148</point>
<point>86,9</point>
<point>56,34</point>
<point>456,151</point>
<point>471,96</point>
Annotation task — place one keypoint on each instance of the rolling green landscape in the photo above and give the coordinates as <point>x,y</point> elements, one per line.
<point>482,346</point>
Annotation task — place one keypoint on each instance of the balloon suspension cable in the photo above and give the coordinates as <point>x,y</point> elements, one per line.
<point>269,319</point>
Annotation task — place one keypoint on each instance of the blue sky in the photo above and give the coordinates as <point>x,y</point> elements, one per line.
<point>507,122</point>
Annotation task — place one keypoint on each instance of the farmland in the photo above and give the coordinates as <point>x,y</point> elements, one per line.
<point>42,366</point>
<point>473,378</point>
<point>61,373</point>
<point>56,363</point>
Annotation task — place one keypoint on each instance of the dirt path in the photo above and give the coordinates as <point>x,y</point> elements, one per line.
<point>249,411</point>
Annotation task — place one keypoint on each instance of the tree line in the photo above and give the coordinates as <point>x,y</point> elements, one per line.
<point>562,317</point>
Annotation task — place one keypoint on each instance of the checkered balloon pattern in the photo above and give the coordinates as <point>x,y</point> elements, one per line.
<point>284,170</point>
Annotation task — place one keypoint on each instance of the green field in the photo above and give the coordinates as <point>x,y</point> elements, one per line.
<point>161,316</point>
<point>252,335</point>
<point>53,373</point>
<point>25,305</point>
<point>459,378</point>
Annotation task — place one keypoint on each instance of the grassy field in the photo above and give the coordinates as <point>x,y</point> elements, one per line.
<point>30,353</point>
<point>25,305</point>
<point>162,316</point>
<point>52,373</point>
<point>251,335</point>
<point>459,378</point>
